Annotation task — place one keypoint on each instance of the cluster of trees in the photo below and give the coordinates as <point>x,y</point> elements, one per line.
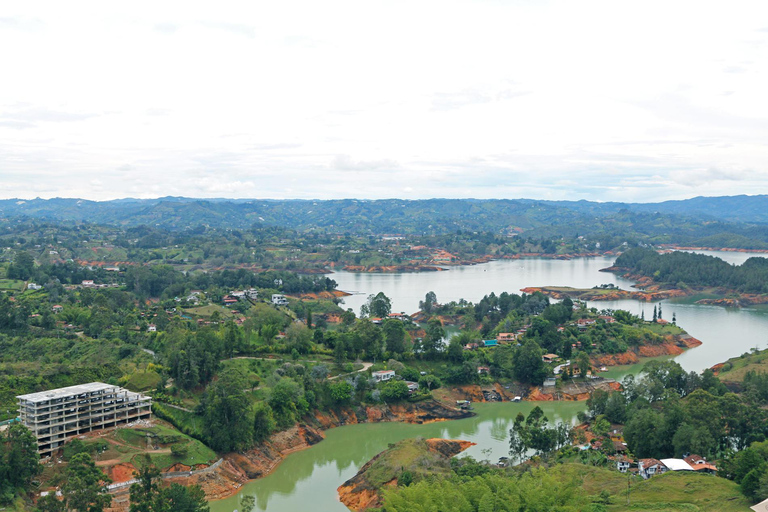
<point>669,413</point>
<point>684,269</point>
<point>535,434</point>
<point>18,462</point>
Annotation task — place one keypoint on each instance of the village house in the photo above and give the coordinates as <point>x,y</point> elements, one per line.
<point>279,300</point>
<point>383,375</point>
<point>506,337</point>
<point>483,370</point>
<point>623,463</point>
<point>549,358</point>
<point>58,308</point>
<point>650,467</point>
<point>252,293</point>
<point>471,346</point>
<point>151,328</point>
<point>700,464</point>
<point>33,286</point>
<point>607,319</point>
<point>88,283</point>
<point>229,300</point>
<point>412,386</point>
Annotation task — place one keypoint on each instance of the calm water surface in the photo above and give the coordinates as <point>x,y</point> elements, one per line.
<point>307,480</point>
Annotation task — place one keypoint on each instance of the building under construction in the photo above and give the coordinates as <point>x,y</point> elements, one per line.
<point>60,414</point>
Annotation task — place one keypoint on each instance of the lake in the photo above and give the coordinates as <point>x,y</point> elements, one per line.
<point>307,480</point>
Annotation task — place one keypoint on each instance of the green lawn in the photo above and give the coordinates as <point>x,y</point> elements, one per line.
<point>736,367</point>
<point>208,310</point>
<point>11,284</point>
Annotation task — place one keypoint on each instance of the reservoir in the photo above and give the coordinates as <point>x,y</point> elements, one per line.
<point>307,480</point>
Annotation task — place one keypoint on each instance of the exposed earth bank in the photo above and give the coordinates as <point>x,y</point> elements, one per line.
<point>428,456</point>
<point>237,468</point>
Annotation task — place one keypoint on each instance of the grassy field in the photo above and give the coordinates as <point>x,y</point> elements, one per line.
<point>11,284</point>
<point>664,329</point>
<point>736,367</point>
<point>207,311</point>
<point>156,441</point>
<point>671,491</point>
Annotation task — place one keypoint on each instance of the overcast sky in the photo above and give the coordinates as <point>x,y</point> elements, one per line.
<point>621,101</point>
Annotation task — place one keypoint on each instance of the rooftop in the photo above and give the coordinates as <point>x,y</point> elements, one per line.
<point>42,396</point>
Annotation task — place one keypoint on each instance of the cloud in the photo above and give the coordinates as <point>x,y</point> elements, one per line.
<point>239,29</point>
<point>345,163</point>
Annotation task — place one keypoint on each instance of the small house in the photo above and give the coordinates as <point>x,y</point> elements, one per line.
<point>700,464</point>
<point>412,386</point>
<point>506,337</point>
<point>229,300</point>
<point>623,464</point>
<point>279,300</point>
<point>383,375</point>
<point>88,282</point>
<point>483,370</point>
<point>549,358</point>
<point>650,467</point>
<point>151,328</point>
<point>57,308</point>
<point>252,293</point>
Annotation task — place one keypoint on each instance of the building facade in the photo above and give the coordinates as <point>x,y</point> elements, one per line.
<point>59,414</point>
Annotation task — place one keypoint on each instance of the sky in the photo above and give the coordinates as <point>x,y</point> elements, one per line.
<point>606,101</point>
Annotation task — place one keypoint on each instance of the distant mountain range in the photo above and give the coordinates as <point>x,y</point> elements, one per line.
<point>744,215</point>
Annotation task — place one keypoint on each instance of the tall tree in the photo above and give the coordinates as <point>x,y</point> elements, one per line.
<point>18,460</point>
<point>85,489</point>
<point>226,413</point>
<point>527,364</point>
<point>432,344</point>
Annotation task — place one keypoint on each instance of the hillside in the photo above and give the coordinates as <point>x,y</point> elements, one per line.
<point>712,222</point>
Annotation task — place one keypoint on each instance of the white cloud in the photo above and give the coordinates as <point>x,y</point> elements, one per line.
<point>595,99</point>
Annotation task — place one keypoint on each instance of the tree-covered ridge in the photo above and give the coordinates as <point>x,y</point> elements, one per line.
<point>706,225</point>
<point>684,269</point>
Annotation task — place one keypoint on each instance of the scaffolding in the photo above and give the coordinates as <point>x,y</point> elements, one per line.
<point>59,414</point>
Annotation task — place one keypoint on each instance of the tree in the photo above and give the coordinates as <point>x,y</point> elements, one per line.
<point>341,391</point>
<point>394,335</point>
<point>226,421</point>
<point>18,460</point>
<point>147,496</point>
<point>378,306</point>
<point>394,390</point>
<point>298,337</point>
<point>455,351</point>
<point>527,364</point>
<point>144,492</point>
<point>430,299</point>
<point>654,314</point>
<point>432,344</point>
<point>583,362</point>
<point>263,422</point>
<point>85,489</point>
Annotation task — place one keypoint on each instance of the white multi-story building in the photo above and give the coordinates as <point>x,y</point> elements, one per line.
<point>59,414</point>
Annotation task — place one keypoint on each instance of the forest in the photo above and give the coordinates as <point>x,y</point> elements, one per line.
<point>683,270</point>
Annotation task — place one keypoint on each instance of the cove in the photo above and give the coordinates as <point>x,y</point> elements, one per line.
<point>307,480</point>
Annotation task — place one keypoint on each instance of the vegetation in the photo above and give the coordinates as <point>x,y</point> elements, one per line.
<point>684,269</point>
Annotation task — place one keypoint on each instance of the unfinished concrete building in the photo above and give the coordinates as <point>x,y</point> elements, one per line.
<point>60,414</point>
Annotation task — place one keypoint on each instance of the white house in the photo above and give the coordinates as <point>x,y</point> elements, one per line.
<point>383,375</point>
<point>412,386</point>
<point>151,328</point>
<point>622,464</point>
<point>88,282</point>
<point>252,293</point>
<point>279,300</point>
<point>650,467</point>
<point>33,286</point>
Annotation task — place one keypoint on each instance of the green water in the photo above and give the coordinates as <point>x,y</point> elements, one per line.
<point>307,480</point>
